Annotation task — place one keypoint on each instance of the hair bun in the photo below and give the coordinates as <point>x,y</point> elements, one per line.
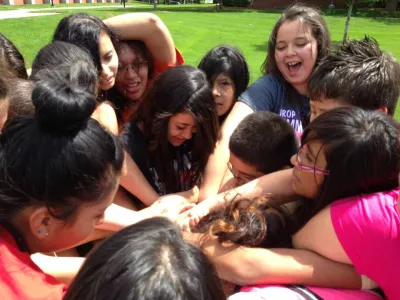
<point>61,104</point>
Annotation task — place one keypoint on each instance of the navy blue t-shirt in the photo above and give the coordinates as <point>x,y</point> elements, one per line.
<point>268,94</point>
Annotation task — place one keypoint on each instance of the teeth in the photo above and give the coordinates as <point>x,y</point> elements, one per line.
<point>292,63</point>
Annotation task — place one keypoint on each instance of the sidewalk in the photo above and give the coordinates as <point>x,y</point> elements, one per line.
<point>27,13</point>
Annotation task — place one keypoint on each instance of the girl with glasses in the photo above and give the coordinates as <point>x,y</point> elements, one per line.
<point>140,62</point>
<point>100,40</point>
<point>346,152</point>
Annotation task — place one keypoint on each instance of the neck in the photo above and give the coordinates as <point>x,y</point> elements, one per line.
<point>21,224</point>
<point>302,88</point>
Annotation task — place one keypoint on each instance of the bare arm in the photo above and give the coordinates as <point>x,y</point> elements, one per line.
<point>149,29</point>
<point>278,184</point>
<point>318,235</point>
<point>63,269</point>
<point>216,165</point>
<point>133,180</point>
<point>247,266</point>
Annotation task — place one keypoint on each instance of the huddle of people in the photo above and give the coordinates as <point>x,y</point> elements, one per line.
<point>125,174</point>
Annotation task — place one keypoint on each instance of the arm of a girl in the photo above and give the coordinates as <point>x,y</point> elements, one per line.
<point>117,217</point>
<point>249,266</point>
<point>278,184</point>
<point>318,235</point>
<point>133,180</point>
<point>149,29</point>
<point>216,165</point>
<point>105,115</point>
<point>64,269</point>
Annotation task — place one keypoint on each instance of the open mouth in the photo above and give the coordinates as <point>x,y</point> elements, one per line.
<point>132,87</point>
<point>294,66</point>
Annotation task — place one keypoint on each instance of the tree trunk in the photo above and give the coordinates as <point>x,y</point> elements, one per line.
<point>391,5</point>
<point>155,4</point>
<point>346,26</point>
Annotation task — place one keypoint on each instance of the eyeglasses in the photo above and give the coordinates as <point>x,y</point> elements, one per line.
<point>239,175</point>
<point>305,168</point>
<point>135,66</point>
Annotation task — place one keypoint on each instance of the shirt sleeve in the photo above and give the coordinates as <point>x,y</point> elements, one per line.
<point>159,68</point>
<point>365,226</point>
<point>263,94</point>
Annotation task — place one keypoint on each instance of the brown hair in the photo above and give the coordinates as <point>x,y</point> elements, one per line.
<point>253,223</point>
<point>306,15</point>
<point>20,100</point>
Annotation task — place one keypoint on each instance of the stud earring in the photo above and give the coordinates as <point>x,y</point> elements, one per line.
<point>39,231</point>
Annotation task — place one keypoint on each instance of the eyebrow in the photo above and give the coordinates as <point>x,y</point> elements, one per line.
<point>108,52</point>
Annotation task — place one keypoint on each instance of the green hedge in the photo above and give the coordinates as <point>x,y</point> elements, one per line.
<point>237,3</point>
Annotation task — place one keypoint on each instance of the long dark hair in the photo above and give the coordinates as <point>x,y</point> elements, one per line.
<point>59,157</point>
<point>61,55</point>
<point>226,59</point>
<point>11,60</point>
<point>148,260</point>
<point>306,15</point>
<point>362,153</point>
<point>84,31</point>
<point>179,89</point>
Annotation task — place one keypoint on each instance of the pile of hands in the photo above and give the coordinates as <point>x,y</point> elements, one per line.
<point>182,208</point>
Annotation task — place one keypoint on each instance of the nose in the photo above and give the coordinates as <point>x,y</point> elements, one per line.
<point>130,72</point>
<point>290,50</point>
<point>187,134</point>
<point>293,160</point>
<point>215,92</point>
<point>105,71</point>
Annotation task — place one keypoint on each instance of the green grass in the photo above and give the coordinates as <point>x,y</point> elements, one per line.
<point>198,28</point>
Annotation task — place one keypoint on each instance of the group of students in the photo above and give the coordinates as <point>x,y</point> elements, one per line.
<point>287,189</point>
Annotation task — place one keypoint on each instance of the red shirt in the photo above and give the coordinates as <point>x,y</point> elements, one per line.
<point>159,68</point>
<point>21,278</point>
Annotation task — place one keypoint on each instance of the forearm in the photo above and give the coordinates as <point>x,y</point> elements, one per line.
<point>117,218</point>
<point>247,266</point>
<point>149,29</point>
<point>278,185</point>
<point>63,269</point>
<point>216,165</point>
<point>133,180</point>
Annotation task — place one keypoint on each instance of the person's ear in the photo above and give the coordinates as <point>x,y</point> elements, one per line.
<point>383,109</point>
<point>39,222</point>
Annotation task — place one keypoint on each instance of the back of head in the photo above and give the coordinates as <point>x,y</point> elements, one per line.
<point>181,89</point>
<point>359,74</point>
<point>250,223</point>
<point>306,15</point>
<point>361,150</point>
<point>66,58</point>
<point>20,99</point>
<point>148,260</point>
<point>11,60</point>
<point>83,30</point>
<point>229,60</point>
<point>264,140</point>
<point>60,144</point>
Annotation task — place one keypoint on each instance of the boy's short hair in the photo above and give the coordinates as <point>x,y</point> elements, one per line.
<point>264,140</point>
<point>359,74</point>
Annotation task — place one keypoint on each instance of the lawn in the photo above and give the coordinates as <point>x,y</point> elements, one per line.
<point>198,28</point>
